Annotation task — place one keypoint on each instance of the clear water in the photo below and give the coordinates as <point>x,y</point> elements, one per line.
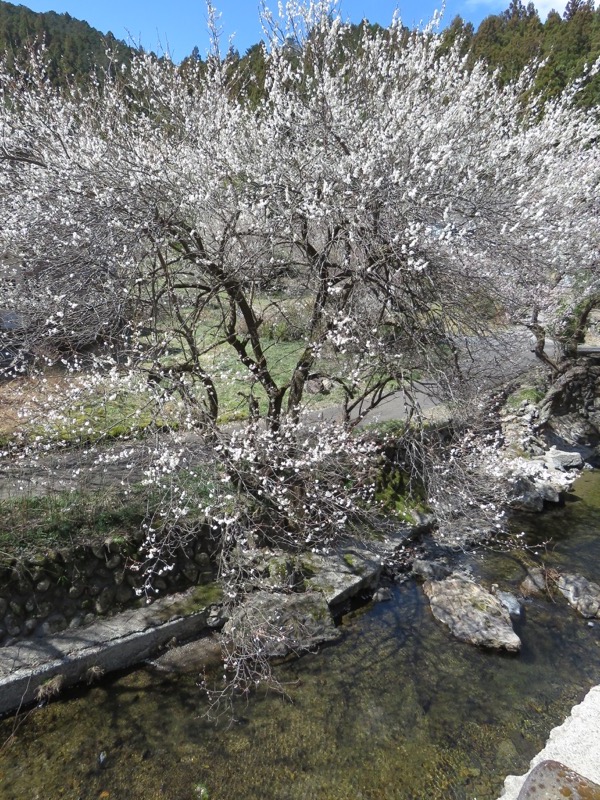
<point>396,710</point>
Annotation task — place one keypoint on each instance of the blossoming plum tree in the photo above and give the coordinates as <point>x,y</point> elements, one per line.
<point>381,202</point>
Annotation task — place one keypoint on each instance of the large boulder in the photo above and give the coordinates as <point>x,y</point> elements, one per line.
<point>581,594</point>
<point>533,482</point>
<point>563,459</point>
<point>340,574</point>
<point>472,613</point>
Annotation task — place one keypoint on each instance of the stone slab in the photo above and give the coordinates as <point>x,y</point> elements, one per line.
<point>281,624</point>
<point>340,577</point>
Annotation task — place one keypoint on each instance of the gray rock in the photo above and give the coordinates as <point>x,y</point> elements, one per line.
<point>382,594</point>
<point>506,754</point>
<point>24,586</point>
<point>574,430</point>
<point>561,459</point>
<point>114,561</point>
<point>423,522</point>
<point>534,584</point>
<point>44,609</point>
<point>133,579</point>
<point>281,624</point>
<point>319,386</point>
<point>341,577</point>
<point>119,576</point>
<point>53,624</point>
<point>43,585</point>
<point>510,603</point>
<point>473,614</point>
<point>581,594</point>
<point>190,658</point>
<point>113,545</point>
<point>190,572</point>
<point>94,588</point>
<point>203,560</point>
<point>267,568</point>
<point>3,606</point>
<point>105,600</point>
<point>524,496</point>
<point>29,626</point>
<point>430,570</point>
<point>124,593</point>
<point>217,617</point>
<point>99,550</point>
<point>548,492</point>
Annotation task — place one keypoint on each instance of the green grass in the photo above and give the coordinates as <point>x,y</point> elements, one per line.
<point>99,419</point>
<point>36,524</point>
<point>99,415</point>
<point>115,412</point>
<point>30,525</point>
<point>525,394</point>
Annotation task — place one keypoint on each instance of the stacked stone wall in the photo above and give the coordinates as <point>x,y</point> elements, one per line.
<point>68,588</point>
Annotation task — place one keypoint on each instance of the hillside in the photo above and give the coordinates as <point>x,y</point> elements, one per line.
<point>74,49</point>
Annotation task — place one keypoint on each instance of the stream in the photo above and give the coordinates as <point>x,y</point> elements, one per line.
<point>397,709</point>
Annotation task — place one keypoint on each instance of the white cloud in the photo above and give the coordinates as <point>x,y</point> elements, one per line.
<point>545,6</point>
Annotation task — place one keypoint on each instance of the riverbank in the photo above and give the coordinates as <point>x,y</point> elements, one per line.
<point>396,708</point>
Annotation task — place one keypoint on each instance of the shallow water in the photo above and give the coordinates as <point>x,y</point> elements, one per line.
<point>396,710</point>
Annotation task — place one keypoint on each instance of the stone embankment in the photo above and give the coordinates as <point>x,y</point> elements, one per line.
<point>68,588</point>
<point>289,618</point>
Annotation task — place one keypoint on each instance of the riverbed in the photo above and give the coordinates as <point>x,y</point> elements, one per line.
<point>397,709</point>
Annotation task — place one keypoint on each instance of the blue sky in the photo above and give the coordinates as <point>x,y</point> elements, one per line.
<point>178,25</point>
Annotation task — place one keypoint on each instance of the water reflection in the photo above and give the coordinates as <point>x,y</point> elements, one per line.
<point>396,710</point>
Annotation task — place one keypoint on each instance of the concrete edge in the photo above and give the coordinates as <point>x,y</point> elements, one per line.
<point>575,743</point>
<point>25,685</point>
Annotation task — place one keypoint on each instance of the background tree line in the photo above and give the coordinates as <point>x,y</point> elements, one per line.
<point>506,42</point>
<point>74,50</point>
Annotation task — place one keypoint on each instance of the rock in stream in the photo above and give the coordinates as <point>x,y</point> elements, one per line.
<point>472,613</point>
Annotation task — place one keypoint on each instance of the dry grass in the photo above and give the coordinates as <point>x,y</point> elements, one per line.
<point>24,401</point>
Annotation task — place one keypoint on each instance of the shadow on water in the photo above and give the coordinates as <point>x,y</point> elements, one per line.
<point>397,710</point>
